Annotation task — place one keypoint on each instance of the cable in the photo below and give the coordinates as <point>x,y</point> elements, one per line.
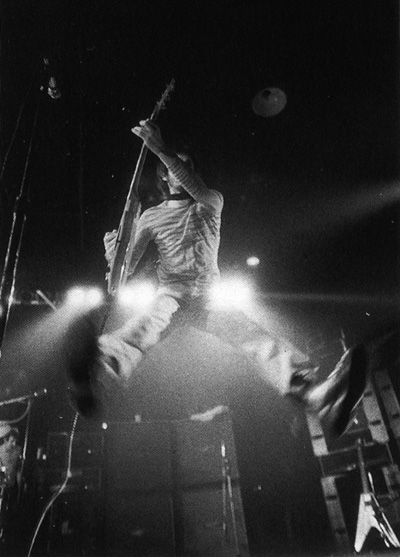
<point>60,489</point>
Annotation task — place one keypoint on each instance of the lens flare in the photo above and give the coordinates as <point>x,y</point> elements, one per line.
<point>84,298</point>
<point>234,292</point>
<point>252,261</point>
<point>138,295</point>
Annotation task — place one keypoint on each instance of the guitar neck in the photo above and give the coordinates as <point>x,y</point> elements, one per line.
<point>363,472</point>
<point>118,267</point>
<point>134,186</point>
<point>133,192</point>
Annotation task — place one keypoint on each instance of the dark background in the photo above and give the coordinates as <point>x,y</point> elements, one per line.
<point>313,191</point>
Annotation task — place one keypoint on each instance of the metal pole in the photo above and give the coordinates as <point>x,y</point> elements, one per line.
<point>14,245</point>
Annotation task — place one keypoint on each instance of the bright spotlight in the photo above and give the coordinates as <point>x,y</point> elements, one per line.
<point>94,297</point>
<point>75,296</point>
<point>231,293</point>
<point>253,261</point>
<point>138,295</point>
<point>84,297</point>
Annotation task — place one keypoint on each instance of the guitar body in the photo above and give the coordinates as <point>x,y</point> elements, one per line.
<point>118,268</point>
<point>370,513</point>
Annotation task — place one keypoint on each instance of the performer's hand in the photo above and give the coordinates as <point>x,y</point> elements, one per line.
<point>109,241</point>
<point>151,135</point>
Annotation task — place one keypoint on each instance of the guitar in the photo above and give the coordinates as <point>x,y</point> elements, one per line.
<point>370,513</point>
<point>126,230</point>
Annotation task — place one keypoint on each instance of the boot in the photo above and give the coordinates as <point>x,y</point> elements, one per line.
<point>336,399</point>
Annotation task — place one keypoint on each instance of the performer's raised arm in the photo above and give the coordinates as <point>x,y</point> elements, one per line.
<point>180,173</point>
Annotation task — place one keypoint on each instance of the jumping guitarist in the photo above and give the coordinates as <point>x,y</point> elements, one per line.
<point>185,228</point>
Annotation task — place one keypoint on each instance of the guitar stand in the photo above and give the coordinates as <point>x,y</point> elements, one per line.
<point>370,513</point>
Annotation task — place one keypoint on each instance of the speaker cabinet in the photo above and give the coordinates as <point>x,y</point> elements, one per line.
<point>172,488</point>
<point>137,457</point>
<point>213,522</point>
<point>167,488</point>
<point>86,461</point>
<point>139,524</point>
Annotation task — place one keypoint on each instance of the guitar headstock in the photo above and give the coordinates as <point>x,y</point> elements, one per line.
<point>164,97</point>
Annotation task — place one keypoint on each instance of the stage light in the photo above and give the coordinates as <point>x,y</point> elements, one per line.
<point>253,261</point>
<point>84,298</point>
<point>94,297</point>
<point>269,102</point>
<point>231,292</point>
<point>75,297</point>
<point>138,295</point>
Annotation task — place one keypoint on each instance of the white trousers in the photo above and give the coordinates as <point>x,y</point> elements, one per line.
<point>276,359</point>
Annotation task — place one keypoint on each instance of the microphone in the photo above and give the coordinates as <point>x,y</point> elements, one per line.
<point>52,88</point>
<point>53,91</point>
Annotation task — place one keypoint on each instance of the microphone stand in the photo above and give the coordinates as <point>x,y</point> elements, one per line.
<point>20,206</point>
<point>14,244</point>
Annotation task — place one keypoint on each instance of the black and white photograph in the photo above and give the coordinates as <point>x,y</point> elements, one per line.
<point>200,264</point>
